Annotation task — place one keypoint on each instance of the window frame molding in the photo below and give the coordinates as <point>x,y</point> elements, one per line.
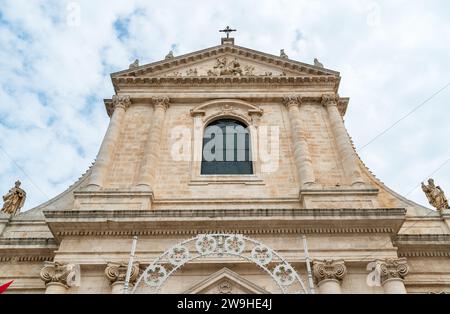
<point>218,109</point>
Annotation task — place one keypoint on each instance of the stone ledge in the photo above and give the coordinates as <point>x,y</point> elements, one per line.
<point>425,245</point>
<point>392,212</point>
<point>192,222</point>
<point>39,242</point>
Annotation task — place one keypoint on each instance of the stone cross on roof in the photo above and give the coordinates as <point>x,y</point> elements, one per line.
<point>227,30</point>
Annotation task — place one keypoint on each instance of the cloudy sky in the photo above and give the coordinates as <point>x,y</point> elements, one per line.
<point>56,57</point>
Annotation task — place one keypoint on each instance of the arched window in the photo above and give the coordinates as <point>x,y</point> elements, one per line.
<point>226,148</point>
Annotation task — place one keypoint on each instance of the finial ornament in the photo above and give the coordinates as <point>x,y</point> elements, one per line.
<point>169,55</point>
<point>317,63</point>
<point>14,200</point>
<point>435,195</point>
<point>134,65</point>
<point>283,54</point>
<point>227,30</point>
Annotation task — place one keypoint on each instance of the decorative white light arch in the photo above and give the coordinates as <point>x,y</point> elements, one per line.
<point>219,245</point>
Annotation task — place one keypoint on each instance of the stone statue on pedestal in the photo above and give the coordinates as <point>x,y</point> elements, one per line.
<point>14,200</point>
<point>435,195</point>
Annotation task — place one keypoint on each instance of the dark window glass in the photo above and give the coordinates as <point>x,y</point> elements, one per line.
<point>226,148</point>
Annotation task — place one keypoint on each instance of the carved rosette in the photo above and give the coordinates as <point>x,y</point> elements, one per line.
<point>330,99</point>
<point>54,272</point>
<point>117,272</point>
<point>292,100</point>
<point>225,287</point>
<point>121,101</point>
<point>161,102</point>
<point>394,268</point>
<point>329,269</point>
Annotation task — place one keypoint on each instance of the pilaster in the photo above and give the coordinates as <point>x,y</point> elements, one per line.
<point>343,144</point>
<point>104,157</point>
<point>149,163</point>
<point>301,151</point>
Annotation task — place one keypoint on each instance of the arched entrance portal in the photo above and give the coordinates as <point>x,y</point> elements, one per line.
<point>221,245</point>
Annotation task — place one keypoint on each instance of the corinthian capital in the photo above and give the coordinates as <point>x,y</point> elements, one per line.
<point>161,101</point>
<point>123,101</point>
<point>291,100</point>
<point>329,269</point>
<point>330,99</point>
<point>117,272</point>
<point>54,272</point>
<point>393,268</point>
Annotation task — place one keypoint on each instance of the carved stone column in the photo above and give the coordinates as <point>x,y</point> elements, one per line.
<point>149,161</point>
<point>116,274</point>
<point>392,272</point>
<point>56,275</point>
<point>328,275</point>
<point>106,152</point>
<point>343,144</point>
<point>301,152</point>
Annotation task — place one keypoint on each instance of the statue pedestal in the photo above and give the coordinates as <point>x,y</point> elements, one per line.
<point>445,215</point>
<point>4,219</point>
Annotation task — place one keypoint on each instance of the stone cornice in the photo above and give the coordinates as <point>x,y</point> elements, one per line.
<point>425,245</point>
<point>221,49</point>
<point>191,222</point>
<point>244,81</point>
<point>25,258</point>
<point>255,98</point>
<point>27,249</point>
<point>27,242</point>
<point>220,213</point>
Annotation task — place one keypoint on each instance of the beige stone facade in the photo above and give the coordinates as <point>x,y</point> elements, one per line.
<point>362,236</point>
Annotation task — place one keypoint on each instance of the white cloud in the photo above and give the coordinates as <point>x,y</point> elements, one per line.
<point>392,56</point>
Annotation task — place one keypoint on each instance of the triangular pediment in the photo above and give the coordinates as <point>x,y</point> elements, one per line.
<point>225,60</point>
<point>225,281</point>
